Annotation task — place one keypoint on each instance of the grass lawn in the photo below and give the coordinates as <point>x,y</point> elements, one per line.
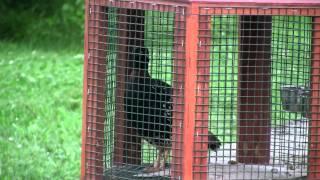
<point>40,112</point>
<point>41,90</point>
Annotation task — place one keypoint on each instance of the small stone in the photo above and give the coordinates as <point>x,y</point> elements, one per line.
<point>275,170</point>
<point>232,162</point>
<point>291,167</point>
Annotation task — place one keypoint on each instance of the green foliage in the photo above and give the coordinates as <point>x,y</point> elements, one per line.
<point>14,18</point>
<point>41,88</point>
<point>38,20</point>
<point>40,117</point>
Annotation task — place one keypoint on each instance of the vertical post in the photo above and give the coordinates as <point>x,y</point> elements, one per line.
<point>314,143</point>
<point>192,26</point>
<point>178,92</point>
<point>131,34</point>
<point>202,102</point>
<point>254,90</point>
<point>94,93</point>
<point>84,92</point>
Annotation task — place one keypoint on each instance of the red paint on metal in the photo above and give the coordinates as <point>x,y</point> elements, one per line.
<point>144,4</point>
<point>256,2</point>
<point>200,160</point>
<point>254,96</point>
<point>93,104</point>
<point>84,93</point>
<point>178,93</point>
<point>239,9</point>
<point>135,4</point>
<point>275,2</point>
<point>94,97</point>
<point>190,87</point>
<point>314,143</point>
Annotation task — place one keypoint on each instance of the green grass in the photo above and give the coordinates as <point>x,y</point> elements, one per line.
<point>40,112</point>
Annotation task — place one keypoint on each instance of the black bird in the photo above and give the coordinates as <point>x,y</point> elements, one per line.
<point>148,107</point>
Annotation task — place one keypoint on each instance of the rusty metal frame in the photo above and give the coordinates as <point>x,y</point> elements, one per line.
<point>273,9</point>
<point>92,155</point>
<point>93,99</point>
<point>200,166</point>
<point>141,4</point>
<point>192,23</point>
<point>314,136</point>
<point>84,94</point>
<point>178,93</point>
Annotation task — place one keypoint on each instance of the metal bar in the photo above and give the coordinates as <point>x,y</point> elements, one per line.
<point>242,9</point>
<point>202,112</point>
<point>260,3</point>
<point>299,3</point>
<point>314,145</point>
<point>190,86</point>
<point>141,4</point>
<point>100,107</point>
<point>254,83</point>
<point>84,93</point>
<point>178,93</point>
<point>94,117</point>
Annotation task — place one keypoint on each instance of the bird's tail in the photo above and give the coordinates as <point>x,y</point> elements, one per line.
<point>213,141</point>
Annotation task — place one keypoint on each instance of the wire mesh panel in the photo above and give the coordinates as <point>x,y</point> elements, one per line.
<point>196,90</point>
<point>141,56</point>
<point>94,94</point>
<point>253,93</point>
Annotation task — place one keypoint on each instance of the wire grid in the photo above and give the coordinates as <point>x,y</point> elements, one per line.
<point>107,72</point>
<point>284,41</point>
<point>94,85</point>
<point>125,137</point>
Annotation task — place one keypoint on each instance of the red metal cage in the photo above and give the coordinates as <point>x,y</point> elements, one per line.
<point>248,71</point>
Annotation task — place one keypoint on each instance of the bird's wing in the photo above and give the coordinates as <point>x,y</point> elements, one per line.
<point>168,111</point>
<point>164,92</point>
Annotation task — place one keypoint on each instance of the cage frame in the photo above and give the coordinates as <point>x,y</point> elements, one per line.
<point>93,83</point>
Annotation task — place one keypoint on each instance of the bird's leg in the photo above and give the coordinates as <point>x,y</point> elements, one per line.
<point>165,157</point>
<point>156,164</point>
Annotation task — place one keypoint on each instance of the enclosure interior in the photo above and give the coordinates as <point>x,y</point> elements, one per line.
<point>259,71</point>
<point>127,153</point>
<point>259,91</point>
